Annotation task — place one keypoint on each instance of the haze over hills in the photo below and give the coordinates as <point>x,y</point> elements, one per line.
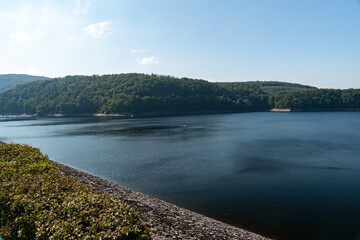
<point>135,93</point>
<point>8,81</point>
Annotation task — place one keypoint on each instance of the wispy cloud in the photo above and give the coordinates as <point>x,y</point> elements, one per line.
<point>19,36</point>
<point>99,30</point>
<point>148,60</point>
<point>137,51</point>
<point>24,36</point>
<point>311,72</point>
<point>81,7</point>
<point>303,77</point>
<point>35,32</point>
<point>31,70</point>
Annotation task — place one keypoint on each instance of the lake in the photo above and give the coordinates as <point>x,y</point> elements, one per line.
<point>283,175</point>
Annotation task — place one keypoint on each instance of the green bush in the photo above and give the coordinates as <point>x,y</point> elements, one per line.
<point>38,202</point>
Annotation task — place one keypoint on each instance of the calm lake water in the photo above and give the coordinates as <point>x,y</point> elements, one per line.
<point>284,175</point>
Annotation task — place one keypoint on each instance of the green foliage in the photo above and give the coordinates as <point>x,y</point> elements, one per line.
<point>38,202</point>
<point>8,81</point>
<point>273,87</point>
<point>135,93</point>
<point>140,93</point>
<point>319,99</point>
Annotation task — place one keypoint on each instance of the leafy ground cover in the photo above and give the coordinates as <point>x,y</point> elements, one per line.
<point>38,202</point>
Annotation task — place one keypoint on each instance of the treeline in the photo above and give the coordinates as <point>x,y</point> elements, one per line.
<point>318,100</point>
<point>135,93</point>
<point>273,87</point>
<point>8,81</point>
<point>140,93</point>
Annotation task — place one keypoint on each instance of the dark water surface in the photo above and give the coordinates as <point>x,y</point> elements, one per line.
<point>284,175</point>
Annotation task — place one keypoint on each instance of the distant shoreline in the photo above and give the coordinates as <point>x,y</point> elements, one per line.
<point>124,114</point>
<point>166,114</point>
<point>280,110</point>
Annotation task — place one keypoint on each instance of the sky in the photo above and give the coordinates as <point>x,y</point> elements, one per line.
<point>313,42</point>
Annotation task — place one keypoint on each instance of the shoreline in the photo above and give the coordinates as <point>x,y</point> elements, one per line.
<point>164,220</point>
<point>168,114</point>
<point>123,114</point>
<point>280,110</point>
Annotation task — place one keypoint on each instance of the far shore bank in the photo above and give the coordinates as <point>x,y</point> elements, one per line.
<point>167,114</point>
<point>280,110</point>
<point>122,114</point>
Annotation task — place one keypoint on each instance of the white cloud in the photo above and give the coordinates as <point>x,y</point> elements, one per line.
<point>148,60</point>
<point>31,70</point>
<point>81,7</point>
<point>291,79</point>
<point>37,35</point>
<point>24,36</point>
<point>99,30</point>
<point>137,51</point>
<point>308,77</point>
<point>311,72</point>
<point>19,36</point>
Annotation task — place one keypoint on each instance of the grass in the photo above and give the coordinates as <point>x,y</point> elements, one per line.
<point>38,202</point>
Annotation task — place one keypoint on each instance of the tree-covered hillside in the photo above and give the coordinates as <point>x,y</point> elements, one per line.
<point>8,81</point>
<point>133,93</point>
<point>153,94</point>
<point>318,99</point>
<point>274,87</point>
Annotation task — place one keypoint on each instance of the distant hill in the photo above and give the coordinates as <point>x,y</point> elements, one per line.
<point>318,100</point>
<point>142,94</point>
<point>274,87</point>
<point>8,81</point>
<point>134,93</point>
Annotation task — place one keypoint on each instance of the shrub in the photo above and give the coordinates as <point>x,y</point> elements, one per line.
<point>38,202</point>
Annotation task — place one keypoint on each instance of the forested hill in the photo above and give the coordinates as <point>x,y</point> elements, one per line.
<point>8,81</point>
<point>131,93</point>
<point>318,100</point>
<point>152,94</point>
<point>274,87</point>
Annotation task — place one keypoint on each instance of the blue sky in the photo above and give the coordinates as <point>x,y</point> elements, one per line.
<point>314,42</point>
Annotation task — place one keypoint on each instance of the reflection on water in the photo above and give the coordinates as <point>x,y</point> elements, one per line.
<point>285,175</point>
<point>148,130</point>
